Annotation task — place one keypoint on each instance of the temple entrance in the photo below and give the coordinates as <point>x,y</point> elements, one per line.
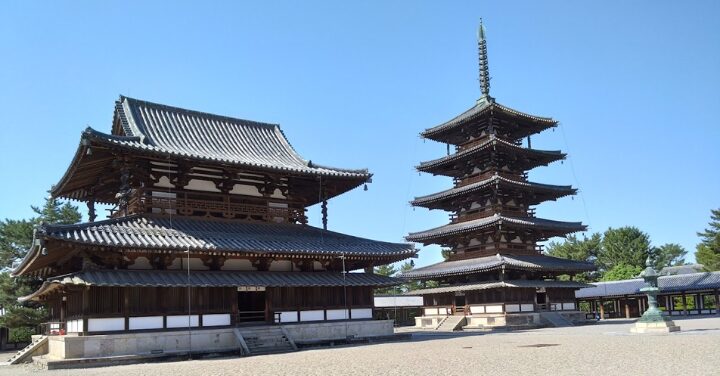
<point>541,300</point>
<point>459,304</point>
<point>251,306</point>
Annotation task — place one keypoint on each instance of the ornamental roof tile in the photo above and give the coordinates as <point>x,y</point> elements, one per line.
<point>488,263</point>
<point>668,283</point>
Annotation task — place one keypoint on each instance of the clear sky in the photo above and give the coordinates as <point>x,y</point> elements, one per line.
<point>633,84</point>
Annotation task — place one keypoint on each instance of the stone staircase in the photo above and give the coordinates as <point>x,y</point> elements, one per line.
<point>261,340</point>
<point>25,355</point>
<point>451,324</point>
<point>555,319</point>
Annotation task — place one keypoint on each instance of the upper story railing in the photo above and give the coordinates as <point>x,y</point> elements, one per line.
<point>216,205</point>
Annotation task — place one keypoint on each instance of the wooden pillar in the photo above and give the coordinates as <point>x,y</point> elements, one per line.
<point>126,306</point>
<point>668,304</point>
<point>63,307</point>
<point>85,306</point>
<point>234,303</point>
<point>717,302</point>
<point>684,300</point>
<point>627,308</point>
<point>602,310</point>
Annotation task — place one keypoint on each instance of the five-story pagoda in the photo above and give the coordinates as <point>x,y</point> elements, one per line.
<point>495,273</point>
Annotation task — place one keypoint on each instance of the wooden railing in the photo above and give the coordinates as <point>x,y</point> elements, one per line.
<point>487,175</point>
<point>217,206</point>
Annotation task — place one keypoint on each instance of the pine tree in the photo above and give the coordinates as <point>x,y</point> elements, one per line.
<point>708,251</point>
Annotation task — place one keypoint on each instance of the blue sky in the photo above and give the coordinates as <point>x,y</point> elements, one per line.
<point>634,85</point>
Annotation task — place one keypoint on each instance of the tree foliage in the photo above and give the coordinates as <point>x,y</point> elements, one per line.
<point>622,271</point>
<point>15,239</point>
<point>623,246</point>
<point>669,254</point>
<point>708,251</point>
<point>574,248</point>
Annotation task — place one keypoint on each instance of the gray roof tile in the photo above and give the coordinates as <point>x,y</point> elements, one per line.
<point>160,232</point>
<point>488,263</point>
<point>499,284</point>
<point>670,283</point>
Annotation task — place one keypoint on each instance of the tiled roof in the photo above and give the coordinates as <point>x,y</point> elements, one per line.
<point>482,264</point>
<point>479,224</point>
<point>669,283</point>
<point>201,234</point>
<point>480,108</point>
<point>560,190</point>
<point>177,132</point>
<point>179,278</point>
<point>681,269</point>
<point>546,156</point>
<point>498,284</point>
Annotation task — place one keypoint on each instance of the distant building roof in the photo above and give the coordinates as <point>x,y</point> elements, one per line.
<point>668,283</point>
<point>482,264</point>
<point>398,301</point>
<point>682,269</point>
<point>498,284</point>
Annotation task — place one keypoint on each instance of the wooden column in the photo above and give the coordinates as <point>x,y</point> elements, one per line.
<point>85,306</point>
<point>234,303</point>
<point>684,303</point>
<point>126,306</point>
<point>627,308</point>
<point>602,310</point>
<point>717,302</point>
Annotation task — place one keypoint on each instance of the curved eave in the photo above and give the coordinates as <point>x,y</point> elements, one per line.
<point>349,179</point>
<point>438,200</point>
<point>442,132</point>
<point>551,228</point>
<point>540,156</point>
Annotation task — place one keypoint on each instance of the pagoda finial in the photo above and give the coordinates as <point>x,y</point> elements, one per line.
<point>483,60</point>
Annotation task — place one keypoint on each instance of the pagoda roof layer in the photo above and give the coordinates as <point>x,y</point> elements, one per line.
<point>496,262</point>
<point>540,156</point>
<point>443,132</point>
<point>436,199</point>
<point>164,233</point>
<point>179,278</point>
<point>540,224</point>
<point>521,283</point>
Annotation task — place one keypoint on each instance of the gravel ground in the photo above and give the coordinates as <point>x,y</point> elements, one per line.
<point>607,348</point>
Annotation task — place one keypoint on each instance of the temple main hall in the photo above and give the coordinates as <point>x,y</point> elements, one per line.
<point>494,274</point>
<point>207,232</point>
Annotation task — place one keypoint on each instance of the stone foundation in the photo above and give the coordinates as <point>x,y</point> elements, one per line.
<point>202,340</point>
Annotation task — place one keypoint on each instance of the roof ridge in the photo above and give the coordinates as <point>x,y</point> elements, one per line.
<point>195,112</point>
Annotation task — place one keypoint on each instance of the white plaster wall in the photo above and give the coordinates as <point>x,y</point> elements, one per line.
<point>201,185</point>
<point>181,321</point>
<point>568,306</point>
<point>318,266</point>
<point>237,264</point>
<point>512,307</point>
<point>477,309</point>
<point>140,263</point>
<point>147,322</point>
<point>220,319</point>
<point>361,313</point>
<point>494,309</point>
<point>398,301</point>
<point>337,314</point>
<point>106,325</point>
<point>281,266</point>
<point>164,182</point>
<point>527,307</point>
<point>317,315</point>
<point>248,190</point>
<point>289,316</point>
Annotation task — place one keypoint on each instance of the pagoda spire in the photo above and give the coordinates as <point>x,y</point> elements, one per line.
<point>483,60</point>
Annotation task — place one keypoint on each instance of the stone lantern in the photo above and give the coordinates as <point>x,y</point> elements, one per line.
<point>653,321</point>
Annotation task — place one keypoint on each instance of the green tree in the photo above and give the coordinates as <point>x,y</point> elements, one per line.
<point>622,271</point>
<point>669,254</point>
<point>708,251</point>
<point>623,246</point>
<point>388,270</point>
<point>410,285</point>
<point>15,239</point>
<point>574,248</point>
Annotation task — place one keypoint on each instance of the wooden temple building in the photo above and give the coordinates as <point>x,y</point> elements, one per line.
<point>208,231</point>
<point>496,273</point>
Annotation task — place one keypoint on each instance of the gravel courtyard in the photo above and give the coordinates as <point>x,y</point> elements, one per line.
<point>606,348</point>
